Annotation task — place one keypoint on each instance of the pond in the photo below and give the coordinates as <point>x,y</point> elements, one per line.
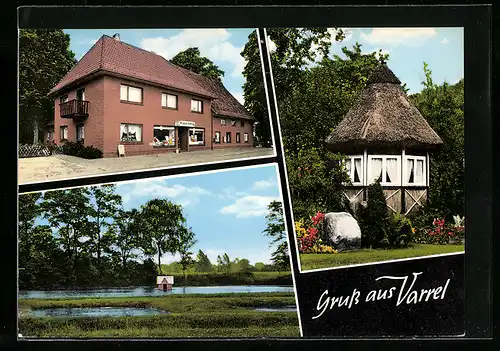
<point>277,309</point>
<point>95,312</point>
<point>151,291</point>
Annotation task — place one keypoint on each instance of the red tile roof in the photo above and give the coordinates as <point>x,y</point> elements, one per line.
<point>224,104</point>
<point>118,57</point>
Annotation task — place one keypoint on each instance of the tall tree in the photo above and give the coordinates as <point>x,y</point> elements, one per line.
<point>191,59</point>
<point>203,263</point>
<point>294,49</point>
<point>106,204</point>
<point>276,230</point>
<point>187,241</point>
<point>123,237</point>
<point>162,222</point>
<point>29,210</point>
<point>44,59</point>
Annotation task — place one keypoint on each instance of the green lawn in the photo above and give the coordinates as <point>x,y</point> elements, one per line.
<point>217,315</point>
<point>317,261</point>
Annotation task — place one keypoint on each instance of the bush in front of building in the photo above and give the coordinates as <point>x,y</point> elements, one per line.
<point>401,231</point>
<point>79,150</point>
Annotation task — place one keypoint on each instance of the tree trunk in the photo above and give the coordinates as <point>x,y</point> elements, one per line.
<point>35,131</point>
<point>159,260</point>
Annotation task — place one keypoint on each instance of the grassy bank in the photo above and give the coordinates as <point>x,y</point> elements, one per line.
<point>317,261</point>
<point>224,315</point>
<point>220,279</point>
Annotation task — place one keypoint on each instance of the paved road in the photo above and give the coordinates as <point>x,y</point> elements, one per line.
<point>57,167</point>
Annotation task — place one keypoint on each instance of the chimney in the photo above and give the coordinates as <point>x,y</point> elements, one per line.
<point>116,36</point>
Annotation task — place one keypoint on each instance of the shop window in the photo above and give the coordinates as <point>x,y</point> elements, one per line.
<point>238,137</point>
<point>217,138</point>
<point>197,136</point>
<point>80,133</point>
<point>130,94</point>
<point>131,133</point>
<point>196,106</point>
<point>228,137</point>
<point>63,133</point>
<point>169,101</point>
<point>163,136</point>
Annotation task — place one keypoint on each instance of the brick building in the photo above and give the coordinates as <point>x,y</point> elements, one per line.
<point>119,94</point>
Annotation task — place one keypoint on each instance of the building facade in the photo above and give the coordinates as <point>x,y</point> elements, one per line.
<point>118,94</point>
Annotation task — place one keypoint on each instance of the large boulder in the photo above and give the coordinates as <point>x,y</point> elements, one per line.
<point>343,231</point>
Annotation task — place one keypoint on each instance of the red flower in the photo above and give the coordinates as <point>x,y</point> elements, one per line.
<point>300,168</point>
<point>312,231</point>
<point>300,175</point>
<point>450,233</point>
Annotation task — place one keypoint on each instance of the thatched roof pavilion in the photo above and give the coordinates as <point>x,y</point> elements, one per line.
<point>383,116</point>
<point>386,138</point>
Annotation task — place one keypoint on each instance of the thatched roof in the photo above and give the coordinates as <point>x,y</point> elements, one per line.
<point>383,116</point>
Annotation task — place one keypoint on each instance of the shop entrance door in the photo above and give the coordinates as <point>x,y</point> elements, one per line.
<point>183,139</point>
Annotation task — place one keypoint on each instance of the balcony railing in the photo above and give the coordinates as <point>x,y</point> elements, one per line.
<point>74,109</point>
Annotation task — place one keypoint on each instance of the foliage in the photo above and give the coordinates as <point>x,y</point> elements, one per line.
<point>203,263</point>
<point>316,261</point>
<point>79,150</point>
<point>191,59</point>
<point>276,230</point>
<point>444,233</point>
<point>44,59</point>
<point>309,236</point>
<point>187,240</point>
<point>401,231</point>
<point>374,219</point>
<point>316,182</point>
<point>443,108</point>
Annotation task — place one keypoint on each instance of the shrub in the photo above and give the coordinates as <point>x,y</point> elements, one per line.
<point>375,224</point>
<point>310,238</point>
<point>444,233</point>
<point>79,150</point>
<point>401,233</point>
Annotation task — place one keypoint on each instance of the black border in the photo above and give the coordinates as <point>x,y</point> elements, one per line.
<point>477,47</point>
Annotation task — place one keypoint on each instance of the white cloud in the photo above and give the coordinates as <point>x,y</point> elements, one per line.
<point>213,43</point>
<point>249,206</point>
<point>177,193</point>
<point>397,36</point>
<point>239,96</point>
<point>444,41</point>
<point>263,184</point>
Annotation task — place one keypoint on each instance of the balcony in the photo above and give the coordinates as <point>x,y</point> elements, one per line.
<point>76,109</point>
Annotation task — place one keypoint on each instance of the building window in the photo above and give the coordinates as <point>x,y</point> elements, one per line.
<point>242,123</point>
<point>63,133</point>
<point>354,167</point>
<point>197,136</point>
<point>238,137</point>
<point>414,170</point>
<point>233,123</point>
<point>131,94</point>
<point>163,136</point>
<point>245,137</point>
<point>131,133</point>
<point>80,94</point>
<point>228,137</point>
<point>63,99</point>
<point>217,138</point>
<point>222,122</point>
<point>386,169</point>
<point>169,101</point>
<point>196,106</point>
<point>80,133</point>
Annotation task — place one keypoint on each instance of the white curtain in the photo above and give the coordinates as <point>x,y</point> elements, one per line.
<point>164,100</point>
<point>135,130</point>
<point>358,169</point>
<point>171,101</point>
<point>196,105</point>
<point>391,165</point>
<point>123,132</point>
<point>123,92</point>
<point>419,173</point>
<point>134,94</point>
<point>409,168</point>
<point>376,169</point>
<point>246,137</point>
<point>348,167</point>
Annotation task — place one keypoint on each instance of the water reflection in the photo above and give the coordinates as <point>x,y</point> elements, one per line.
<point>277,309</point>
<point>95,312</point>
<point>150,291</point>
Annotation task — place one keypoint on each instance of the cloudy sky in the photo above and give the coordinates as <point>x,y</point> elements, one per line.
<point>441,48</point>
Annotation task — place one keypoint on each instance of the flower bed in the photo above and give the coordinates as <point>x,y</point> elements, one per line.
<point>309,235</point>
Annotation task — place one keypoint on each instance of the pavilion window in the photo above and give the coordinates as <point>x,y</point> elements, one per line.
<point>354,167</point>
<point>385,169</point>
<point>415,170</point>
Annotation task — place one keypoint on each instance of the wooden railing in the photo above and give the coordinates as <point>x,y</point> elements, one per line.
<point>74,108</point>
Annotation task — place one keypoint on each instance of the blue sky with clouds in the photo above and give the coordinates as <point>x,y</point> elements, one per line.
<point>441,48</point>
<point>226,209</point>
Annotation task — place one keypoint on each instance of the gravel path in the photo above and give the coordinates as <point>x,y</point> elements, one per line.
<point>57,167</point>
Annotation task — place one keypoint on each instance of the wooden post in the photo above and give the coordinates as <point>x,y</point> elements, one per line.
<point>403,189</point>
<point>177,141</point>
<point>365,173</point>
